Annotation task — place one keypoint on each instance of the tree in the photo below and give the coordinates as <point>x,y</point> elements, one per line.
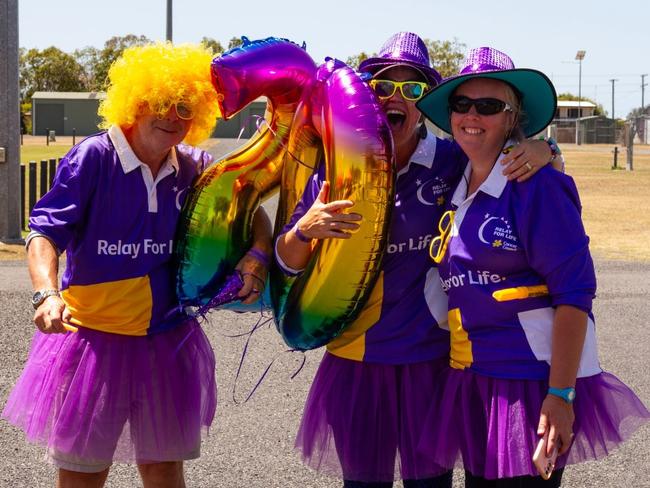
<point>113,49</point>
<point>88,58</point>
<point>638,112</point>
<point>446,56</point>
<point>355,61</point>
<point>49,70</point>
<point>212,44</point>
<point>599,110</point>
<point>235,42</point>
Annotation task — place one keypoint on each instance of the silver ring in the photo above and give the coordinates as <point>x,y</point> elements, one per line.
<point>529,166</point>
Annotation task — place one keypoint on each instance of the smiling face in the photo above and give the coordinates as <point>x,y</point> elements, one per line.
<point>403,117</point>
<point>482,133</point>
<point>151,137</point>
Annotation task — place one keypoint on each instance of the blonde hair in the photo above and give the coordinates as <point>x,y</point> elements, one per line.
<point>152,78</point>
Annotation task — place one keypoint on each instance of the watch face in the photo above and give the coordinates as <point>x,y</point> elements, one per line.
<point>571,395</point>
<point>37,298</point>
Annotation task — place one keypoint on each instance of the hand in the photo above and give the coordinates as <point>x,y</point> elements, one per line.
<point>51,316</point>
<point>253,273</point>
<point>324,220</point>
<point>556,416</point>
<point>526,159</point>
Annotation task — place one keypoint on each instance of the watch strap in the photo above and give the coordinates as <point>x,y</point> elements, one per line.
<point>566,394</point>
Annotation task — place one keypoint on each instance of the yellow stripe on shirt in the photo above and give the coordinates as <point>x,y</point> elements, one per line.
<point>351,343</point>
<point>119,307</point>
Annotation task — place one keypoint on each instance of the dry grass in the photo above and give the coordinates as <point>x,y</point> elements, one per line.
<point>616,208</point>
<point>614,202</point>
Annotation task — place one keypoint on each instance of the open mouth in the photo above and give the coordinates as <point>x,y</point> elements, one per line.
<point>396,118</point>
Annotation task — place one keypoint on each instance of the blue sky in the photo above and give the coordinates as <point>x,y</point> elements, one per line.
<point>546,36</point>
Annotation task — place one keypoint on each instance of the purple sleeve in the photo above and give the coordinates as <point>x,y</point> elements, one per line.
<point>308,198</point>
<point>554,238</point>
<point>61,210</point>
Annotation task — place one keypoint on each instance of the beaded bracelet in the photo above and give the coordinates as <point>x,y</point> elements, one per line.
<point>260,256</point>
<point>301,237</point>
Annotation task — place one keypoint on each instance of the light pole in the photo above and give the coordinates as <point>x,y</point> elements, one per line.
<point>580,55</point>
<point>613,80</point>
<point>169,20</point>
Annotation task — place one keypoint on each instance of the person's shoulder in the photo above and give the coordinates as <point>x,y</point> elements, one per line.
<point>547,183</point>
<point>89,151</point>
<point>193,156</point>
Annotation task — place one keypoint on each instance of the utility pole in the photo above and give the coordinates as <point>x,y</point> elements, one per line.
<point>580,55</point>
<point>643,85</point>
<point>169,20</point>
<point>9,124</point>
<point>613,113</point>
<point>613,81</point>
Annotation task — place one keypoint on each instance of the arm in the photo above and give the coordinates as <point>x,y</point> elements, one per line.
<point>529,156</point>
<point>569,330</point>
<point>321,221</point>
<point>43,264</point>
<point>254,266</point>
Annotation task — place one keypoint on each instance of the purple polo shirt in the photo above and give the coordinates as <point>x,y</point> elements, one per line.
<point>116,224</point>
<point>507,235</point>
<point>404,320</point>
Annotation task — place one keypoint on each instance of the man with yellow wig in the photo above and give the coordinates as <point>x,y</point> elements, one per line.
<point>136,382</point>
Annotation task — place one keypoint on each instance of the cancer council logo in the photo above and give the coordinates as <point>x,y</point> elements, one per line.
<point>497,233</point>
<point>431,192</point>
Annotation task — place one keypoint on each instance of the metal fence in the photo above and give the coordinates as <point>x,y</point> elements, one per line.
<point>35,181</point>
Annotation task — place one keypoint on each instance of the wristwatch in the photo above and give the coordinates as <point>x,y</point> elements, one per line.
<point>566,394</point>
<point>39,297</point>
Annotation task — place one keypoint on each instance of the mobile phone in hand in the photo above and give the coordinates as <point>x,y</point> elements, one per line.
<point>543,462</point>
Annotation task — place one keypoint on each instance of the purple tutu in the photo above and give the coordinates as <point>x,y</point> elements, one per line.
<point>492,423</point>
<point>362,421</point>
<point>93,398</point>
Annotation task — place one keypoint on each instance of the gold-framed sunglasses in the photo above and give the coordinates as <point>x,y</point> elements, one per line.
<point>438,246</point>
<point>410,90</point>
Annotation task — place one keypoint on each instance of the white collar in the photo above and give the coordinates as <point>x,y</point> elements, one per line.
<point>493,185</point>
<point>129,160</point>
<point>424,153</point>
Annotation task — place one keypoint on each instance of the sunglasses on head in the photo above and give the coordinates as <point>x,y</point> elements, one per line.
<point>484,106</point>
<point>410,90</point>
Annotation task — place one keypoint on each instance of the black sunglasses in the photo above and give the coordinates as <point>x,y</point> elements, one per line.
<point>484,106</point>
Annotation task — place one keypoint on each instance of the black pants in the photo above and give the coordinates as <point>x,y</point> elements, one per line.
<point>443,481</point>
<point>554,481</point>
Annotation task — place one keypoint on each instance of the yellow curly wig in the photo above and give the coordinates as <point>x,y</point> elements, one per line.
<point>150,79</point>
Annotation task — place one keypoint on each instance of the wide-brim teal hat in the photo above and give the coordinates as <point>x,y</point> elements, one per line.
<point>536,91</point>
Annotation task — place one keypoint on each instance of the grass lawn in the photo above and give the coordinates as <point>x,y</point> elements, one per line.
<point>39,152</point>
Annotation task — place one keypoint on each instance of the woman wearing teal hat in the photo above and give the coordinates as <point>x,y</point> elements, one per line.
<point>366,405</point>
<point>515,263</point>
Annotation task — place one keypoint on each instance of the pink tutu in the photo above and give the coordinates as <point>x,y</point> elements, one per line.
<point>362,421</point>
<point>491,423</point>
<point>100,397</point>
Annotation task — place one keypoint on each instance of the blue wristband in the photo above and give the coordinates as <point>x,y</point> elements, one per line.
<point>301,237</point>
<point>566,394</point>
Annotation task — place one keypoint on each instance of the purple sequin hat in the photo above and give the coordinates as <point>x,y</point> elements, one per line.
<point>403,49</point>
<point>536,91</point>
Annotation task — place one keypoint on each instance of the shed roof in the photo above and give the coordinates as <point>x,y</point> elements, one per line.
<point>69,95</point>
<point>574,103</point>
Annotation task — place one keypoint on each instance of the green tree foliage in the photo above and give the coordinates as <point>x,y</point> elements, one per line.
<point>235,42</point>
<point>446,56</point>
<point>355,61</point>
<point>599,110</point>
<point>49,70</point>
<point>113,48</point>
<point>212,44</point>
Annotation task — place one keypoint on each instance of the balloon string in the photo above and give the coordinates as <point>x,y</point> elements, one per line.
<point>258,124</point>
<point>261,322</point>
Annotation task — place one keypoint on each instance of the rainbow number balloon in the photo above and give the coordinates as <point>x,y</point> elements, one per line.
<point>338,117</point>
<point>215,226</point>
